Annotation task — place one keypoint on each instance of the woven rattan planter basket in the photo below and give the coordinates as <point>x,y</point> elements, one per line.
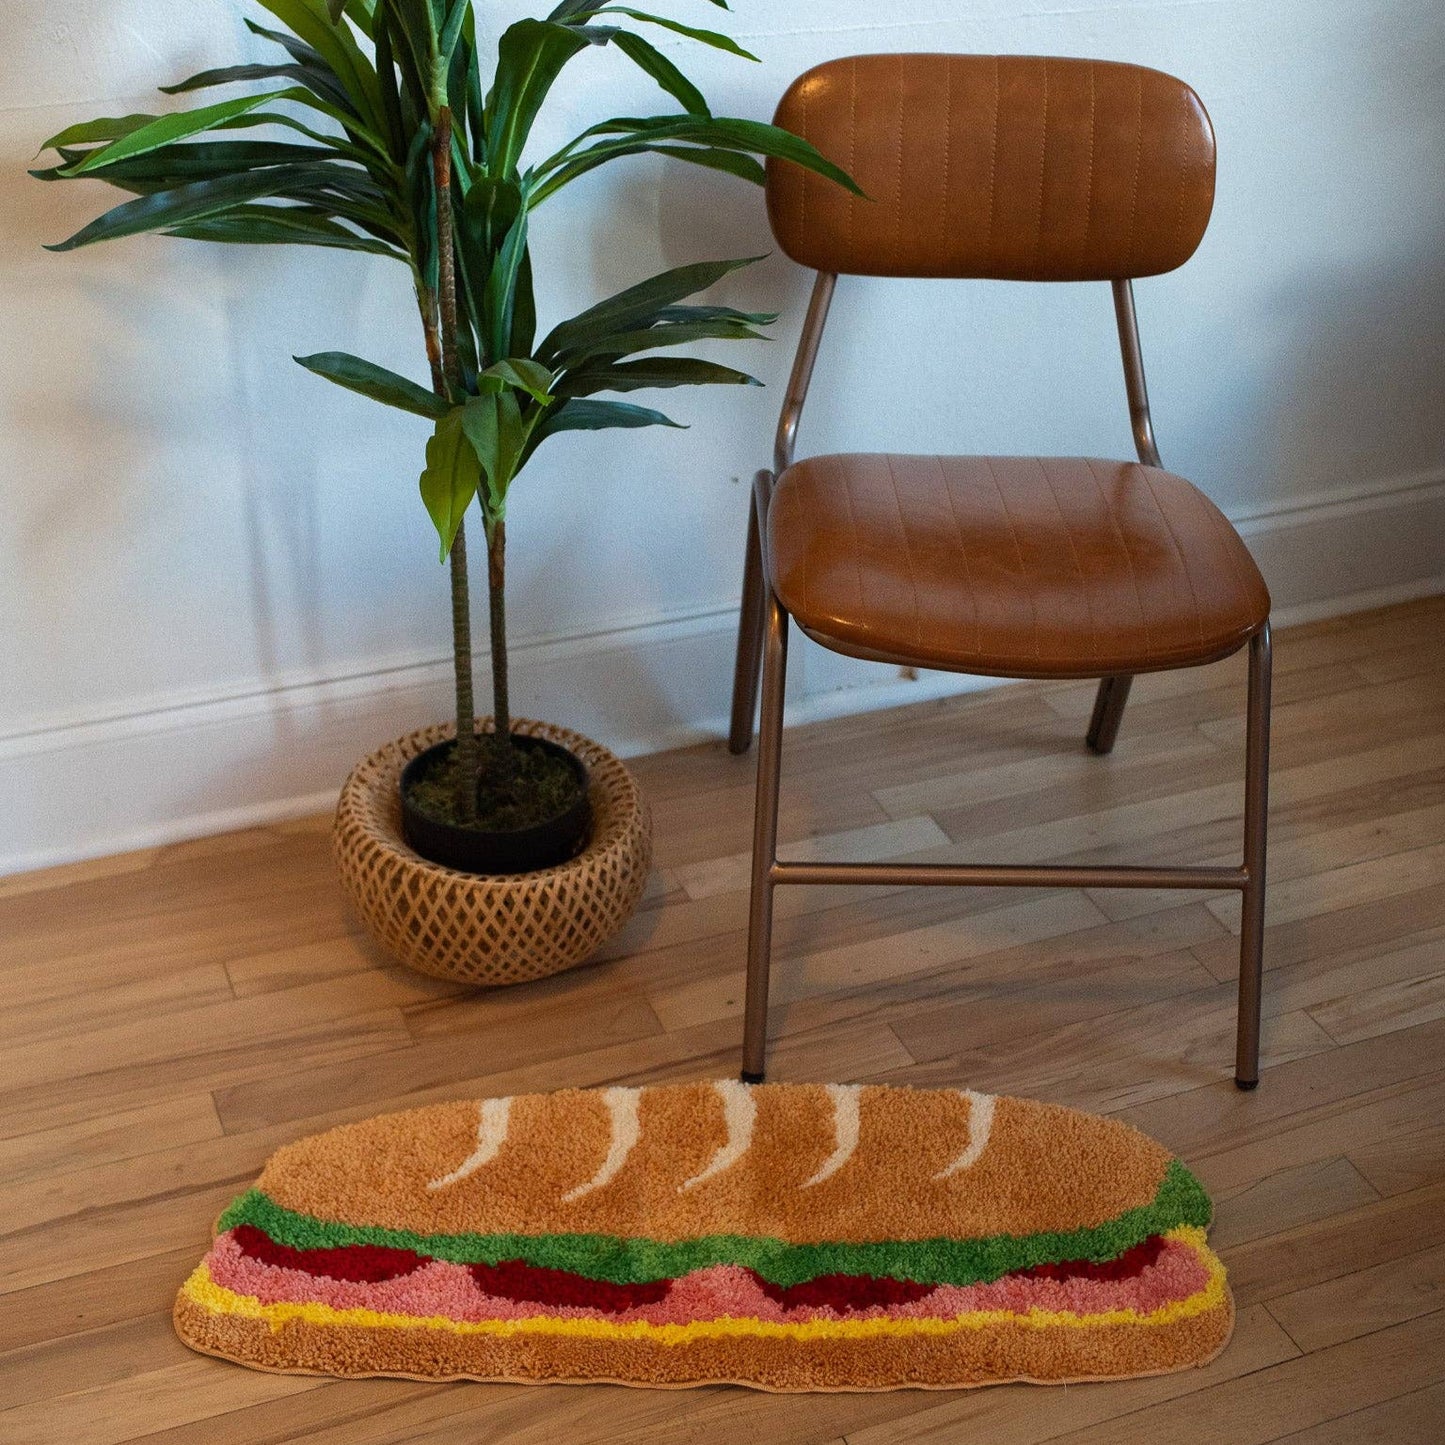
<point>491,930</point>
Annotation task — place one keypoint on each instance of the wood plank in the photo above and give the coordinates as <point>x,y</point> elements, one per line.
<point>1313,1253</point>
<point>130,1408</point>
<point>1025,1414</point>
<point>1414,1419</point>
<point>95,1297</point>
<point>177,1014</point>
<point>106,1137</point>
<point>1360,1303</point>
<point>1309,1390</point>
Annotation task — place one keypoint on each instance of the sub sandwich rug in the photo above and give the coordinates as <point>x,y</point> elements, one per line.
<point>786,1237</point>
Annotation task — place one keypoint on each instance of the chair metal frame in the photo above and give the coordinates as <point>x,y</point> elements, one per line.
<point>763,645</point>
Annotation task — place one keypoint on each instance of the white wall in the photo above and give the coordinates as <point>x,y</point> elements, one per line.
<point>218,586</point>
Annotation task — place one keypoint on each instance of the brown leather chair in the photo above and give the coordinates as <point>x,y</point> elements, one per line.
<point>1013,168</point>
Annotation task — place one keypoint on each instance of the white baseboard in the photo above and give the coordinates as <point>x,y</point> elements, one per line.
<point>184,767</point>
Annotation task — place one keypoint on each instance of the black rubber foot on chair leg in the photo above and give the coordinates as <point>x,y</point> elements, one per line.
<point>748,1077</point>
<point>1246,1084</point>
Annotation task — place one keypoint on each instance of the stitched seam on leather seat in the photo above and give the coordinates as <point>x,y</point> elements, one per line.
<point>1018,552</point>
<point>1232,544</point>
<point>907,550</point>
<point>854,549</point>
<point>962,536</point>
<point>1144,617</point>
<point>1179,551</point>
<point>1074,553</point>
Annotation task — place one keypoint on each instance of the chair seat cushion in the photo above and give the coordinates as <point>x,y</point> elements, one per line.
<point>1011,566</point>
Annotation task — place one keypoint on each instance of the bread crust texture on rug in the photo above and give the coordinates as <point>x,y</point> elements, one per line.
<point>785,1237</point>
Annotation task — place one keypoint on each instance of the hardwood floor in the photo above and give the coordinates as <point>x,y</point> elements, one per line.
<point>172,1016</point>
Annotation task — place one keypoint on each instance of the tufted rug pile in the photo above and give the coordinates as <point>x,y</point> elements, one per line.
<point>786,1237</point>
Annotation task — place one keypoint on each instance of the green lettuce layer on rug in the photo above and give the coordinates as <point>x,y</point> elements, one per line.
<point>1181,1200</point>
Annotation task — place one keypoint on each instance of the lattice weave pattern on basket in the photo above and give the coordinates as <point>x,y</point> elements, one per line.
<point>491,930</point>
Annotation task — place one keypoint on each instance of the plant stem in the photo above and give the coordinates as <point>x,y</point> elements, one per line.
<point>497,597</point>
<point>447,371</point>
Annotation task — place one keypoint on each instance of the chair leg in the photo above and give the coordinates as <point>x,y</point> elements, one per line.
<point>1108,713</point>
<point>1256,828</point>
<point>765,844</point>
<point>750,641</point>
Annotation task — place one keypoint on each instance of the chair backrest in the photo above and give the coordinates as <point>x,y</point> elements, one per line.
<point>1008,167</point>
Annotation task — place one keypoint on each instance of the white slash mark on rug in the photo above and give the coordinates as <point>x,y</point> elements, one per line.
<point>845,1130</point>
<point>740,1113</point>
<point>980,1125</point>
<point>491,1131</point>
<point>622,1106</point>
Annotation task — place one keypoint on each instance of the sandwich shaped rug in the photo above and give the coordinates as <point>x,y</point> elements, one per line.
<point>786,1237</point>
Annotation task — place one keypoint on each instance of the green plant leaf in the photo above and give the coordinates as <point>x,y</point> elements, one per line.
<point>451,30</point>
<point>707,37</point>
<point>497,434</point>
<point>451,477</point>
<point>725,133</point>
<point>522,374</point>
<point>336,46</point>
<point>105,128</point>
<point>654,338</point>
<point>530,57</point>
<point>314,78</point>
<point>635,307</point>
<point>501,293</point>
<point>651,372</point>
<point>716,313</point>
<point>282,226</point>
<point>649,58</point>
<point>167,129</point>
<point>181,205</point>
<point>597,416</point>
<point>195,161</point>
<point>573,9</point>
<point>369,379</point>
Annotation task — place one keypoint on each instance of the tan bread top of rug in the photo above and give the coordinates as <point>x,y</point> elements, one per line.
<point>801,1163</point>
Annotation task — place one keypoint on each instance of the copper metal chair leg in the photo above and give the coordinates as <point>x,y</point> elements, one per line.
<point>750,641</point>
<point>1108,713</point>
<point>765,843</point>
<point>1256,827</point>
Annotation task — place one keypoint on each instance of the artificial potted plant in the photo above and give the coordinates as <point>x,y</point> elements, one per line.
<point>383,139</point>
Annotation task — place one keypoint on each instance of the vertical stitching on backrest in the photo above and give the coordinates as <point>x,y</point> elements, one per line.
<point>1183,194</point>
<point>993,155</point>
<point>898,201</point>
<point>1138,160</point>
<point>1013,532</point>
<point>804,177</point>
<point>852,147</point>
<point>1043,174</point>
<point>1089,208</point>
<point>947,145</point>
